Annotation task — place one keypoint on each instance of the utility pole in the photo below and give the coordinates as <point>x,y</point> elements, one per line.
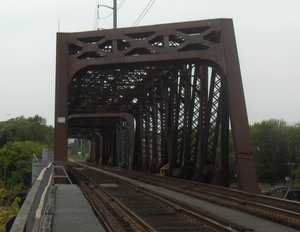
<point>115,14</point>
<point>114,8</point>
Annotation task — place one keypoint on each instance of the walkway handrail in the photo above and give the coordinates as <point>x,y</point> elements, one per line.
<point>27,214</point>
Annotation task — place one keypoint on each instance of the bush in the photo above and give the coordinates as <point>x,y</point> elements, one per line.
<point>7,210</point>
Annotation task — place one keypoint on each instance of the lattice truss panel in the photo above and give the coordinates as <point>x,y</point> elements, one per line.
<point>145,43</point>
<point>176,116</point>
<point>174,80</point>
<point>159,96</point>
<point>115,134</point>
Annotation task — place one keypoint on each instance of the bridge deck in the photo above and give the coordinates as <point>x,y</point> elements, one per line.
<point>235,216</point>
<point>73,212</point>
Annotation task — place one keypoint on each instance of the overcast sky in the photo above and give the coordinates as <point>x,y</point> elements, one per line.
<point>267,34</point>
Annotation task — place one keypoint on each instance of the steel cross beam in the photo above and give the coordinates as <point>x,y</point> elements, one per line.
<point>160,76</point>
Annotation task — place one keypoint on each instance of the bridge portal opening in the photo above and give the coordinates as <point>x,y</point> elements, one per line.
<point>109,139</point>
<point>156,96</point>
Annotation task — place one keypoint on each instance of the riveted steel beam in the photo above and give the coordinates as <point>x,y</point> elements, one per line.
<point>176,83</point>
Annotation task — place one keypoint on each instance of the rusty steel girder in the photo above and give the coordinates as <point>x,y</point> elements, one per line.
<point>156,95</point>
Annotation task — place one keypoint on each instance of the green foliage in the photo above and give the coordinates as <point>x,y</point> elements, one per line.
<point>19,138</point>
<point>88,159</point>
<point>22,129</point>
<point>297,174</point>
<point>74,152</point>
<point>15,161</point>
<point>22,175</point>
<point>7,211</point>
<point>76,146</point>
<point>2,195</point>
<point>275,143</point>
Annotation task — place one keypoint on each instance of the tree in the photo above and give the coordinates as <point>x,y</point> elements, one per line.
<point>19,138</point>
<point>297,174</point>
<point>294,143</point>
<point>22,174</point>
<point>22,129</point>
<point>7,211</point>
<point>15,161</point>
<point>275,143</point>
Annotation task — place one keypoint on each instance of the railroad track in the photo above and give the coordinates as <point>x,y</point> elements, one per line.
<point>250,203</point>
<point>123,201</point>
<point>194,188</point>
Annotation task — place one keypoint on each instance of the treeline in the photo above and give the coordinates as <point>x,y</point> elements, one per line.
<point>276,143</point>
<point>80,148</point>
<point>19,138</point>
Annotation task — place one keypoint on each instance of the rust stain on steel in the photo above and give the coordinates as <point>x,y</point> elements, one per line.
<point>146,91</point>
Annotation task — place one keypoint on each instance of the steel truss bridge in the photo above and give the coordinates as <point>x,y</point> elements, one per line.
<point>156,96</point>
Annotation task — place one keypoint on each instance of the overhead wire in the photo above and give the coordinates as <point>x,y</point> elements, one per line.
<point>135,23</point>
<point>145,11</point>
<point>110,14</point>
<point>97,13</point>
<point>121,4</point>
<point>95,17</point>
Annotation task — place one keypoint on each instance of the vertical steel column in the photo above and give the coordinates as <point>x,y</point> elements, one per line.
<point>118,142</point>
<point>175,121</point>
<point>247,177</point>
<point>197,120</point>
<point>163,113</point>
<point>203,73</point>
<point>128,157</point>
<point>105,156</point>
<point>170,128</point>
<point>191,147</point>
<point>138,158</point>
<point>147,141</point>
<point>186,129</point>
<point>61,101</point>
<point>112,144</point>
<point>97,148</point>
<point>154,160</point>
<point>101,149</point>
<point>224,157</point>
<point>93,148</point>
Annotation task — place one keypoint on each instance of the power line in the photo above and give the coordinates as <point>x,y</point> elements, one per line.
<point>97,12</point>
<point>119,6</point>
<point>145,11</point>
<point>96,15</point>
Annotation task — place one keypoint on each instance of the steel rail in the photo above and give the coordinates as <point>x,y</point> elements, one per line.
<point>285,217</point>
<point>109,220</point>
<point>186,184</point>
<point>175,208</point>
<point>235,201</point>
<point>118,204</point>
<point>192,208</point>
<point>96,210</point>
